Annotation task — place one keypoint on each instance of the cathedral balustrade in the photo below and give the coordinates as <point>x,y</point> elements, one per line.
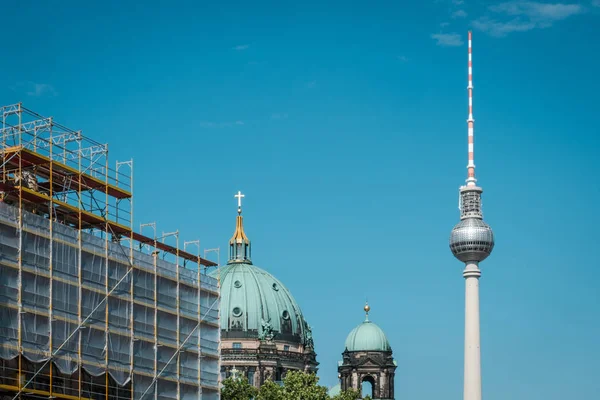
<point>289,355</point>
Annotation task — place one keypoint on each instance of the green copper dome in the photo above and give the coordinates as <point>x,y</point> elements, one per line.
<point>367,337</point>
<point>255,304</point>
<point>251,297</point>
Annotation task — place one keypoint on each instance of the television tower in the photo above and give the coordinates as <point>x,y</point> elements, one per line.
<point>471,241</point>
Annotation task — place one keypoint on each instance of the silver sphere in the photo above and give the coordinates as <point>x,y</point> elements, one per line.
<point>471,240</point>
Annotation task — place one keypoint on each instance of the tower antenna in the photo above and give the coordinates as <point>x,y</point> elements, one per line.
<point>470,121</point>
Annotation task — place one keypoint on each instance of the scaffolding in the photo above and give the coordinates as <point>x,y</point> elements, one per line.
<point>89,308</point>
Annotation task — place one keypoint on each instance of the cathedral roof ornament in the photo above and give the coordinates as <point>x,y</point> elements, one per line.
<point>239,244</point>
<point>239,196</point>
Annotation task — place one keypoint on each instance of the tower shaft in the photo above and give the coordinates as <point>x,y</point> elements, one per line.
<point>472,377</point>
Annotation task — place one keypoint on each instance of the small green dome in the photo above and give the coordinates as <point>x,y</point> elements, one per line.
<point>334,391</point>
<point>367,337</point>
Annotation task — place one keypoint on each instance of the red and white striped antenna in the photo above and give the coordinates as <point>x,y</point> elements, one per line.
<point>470,122</point>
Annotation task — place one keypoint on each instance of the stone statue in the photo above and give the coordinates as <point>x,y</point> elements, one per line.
<point>308,339</point>
<point>267,332</point>
<point>268,374</point>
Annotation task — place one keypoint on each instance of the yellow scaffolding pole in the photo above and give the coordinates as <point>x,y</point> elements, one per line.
<point>50,267</point>
<point>178,317</point>
<point>79,273</point>
<point>131,278</point>
<point>200,326</point>
<point>132,275</point>
<point>154,257</point>
<point>41,393</point>
<point>106,230</point>
<point>155,254</point>
<point>131,377</point>
<point>177,308</point>
<point>20,262</point>
<point>198,347</point>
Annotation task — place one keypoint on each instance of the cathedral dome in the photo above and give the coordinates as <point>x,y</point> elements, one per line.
<point>367,337</point>
<point>255,304</point>
<point>263,331</point>
<point>250,297</point>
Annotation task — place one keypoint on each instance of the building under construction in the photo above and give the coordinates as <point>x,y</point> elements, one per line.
<point>89,308</point>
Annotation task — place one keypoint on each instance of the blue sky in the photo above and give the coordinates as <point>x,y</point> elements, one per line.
<point>344,125</point>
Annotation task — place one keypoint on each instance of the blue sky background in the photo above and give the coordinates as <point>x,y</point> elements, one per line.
<point>344,125</point>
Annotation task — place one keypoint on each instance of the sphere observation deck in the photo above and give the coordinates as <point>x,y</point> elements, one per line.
<point>471,240</point>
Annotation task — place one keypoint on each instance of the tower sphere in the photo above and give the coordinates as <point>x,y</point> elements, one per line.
<point>471,240</point>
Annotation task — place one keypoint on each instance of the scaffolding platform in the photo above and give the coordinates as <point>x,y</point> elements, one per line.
<point>69,177</point>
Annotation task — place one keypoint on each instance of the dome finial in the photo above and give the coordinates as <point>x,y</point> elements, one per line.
<point>239,245</point>
<point>239,196</point>
<point>367,308</point>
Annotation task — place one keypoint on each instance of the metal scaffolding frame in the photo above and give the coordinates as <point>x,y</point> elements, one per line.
<point>56,173</point>
<point>218,266</point>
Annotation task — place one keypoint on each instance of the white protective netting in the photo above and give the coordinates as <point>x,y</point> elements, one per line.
<point>114,351</point>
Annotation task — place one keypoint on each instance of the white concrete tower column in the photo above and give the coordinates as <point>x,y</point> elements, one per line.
<point>472,377</point>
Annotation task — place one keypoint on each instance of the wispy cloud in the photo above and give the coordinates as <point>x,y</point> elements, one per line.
<point>311,84</point>
<point>241,47</point>
<point>402,58</point>
<point>521,16</point>
<point>279,116</point>
<point>540,11</point>
<point>455,9</point>
<point>209,124</point>
<point>595,3</point>
<point>447,39</point>
<point>501,29</point>
<point>34,89</point>
<point>41,89</point>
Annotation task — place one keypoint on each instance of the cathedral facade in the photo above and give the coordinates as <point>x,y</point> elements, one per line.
<point>263,331</point>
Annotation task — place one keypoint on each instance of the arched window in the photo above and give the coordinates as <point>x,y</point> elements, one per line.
<point>367,386</point>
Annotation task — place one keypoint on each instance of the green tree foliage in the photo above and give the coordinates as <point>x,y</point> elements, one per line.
<point>349,394</point>
<point>237,389</point>
<point>297,385</point>
<point>269,391</point>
